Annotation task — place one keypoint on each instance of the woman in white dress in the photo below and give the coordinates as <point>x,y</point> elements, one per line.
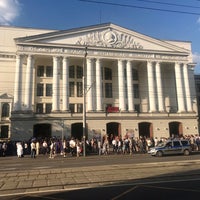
<point>19,149</point>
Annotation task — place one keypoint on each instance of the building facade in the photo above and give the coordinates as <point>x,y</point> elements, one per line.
<point>112,80</point>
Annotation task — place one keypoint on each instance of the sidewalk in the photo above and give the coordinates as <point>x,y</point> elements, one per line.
<point>60,179</point>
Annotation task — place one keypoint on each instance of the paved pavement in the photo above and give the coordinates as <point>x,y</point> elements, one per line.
<point>47,179</point>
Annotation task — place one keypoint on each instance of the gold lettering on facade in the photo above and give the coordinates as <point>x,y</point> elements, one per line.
<point>94,53</point>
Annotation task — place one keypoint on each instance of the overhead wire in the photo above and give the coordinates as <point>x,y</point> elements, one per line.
<point>169,4</point>
<point>140,7</point>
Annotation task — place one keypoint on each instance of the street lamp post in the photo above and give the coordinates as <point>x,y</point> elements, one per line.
<point>62,125</point>
<point>84,104</point>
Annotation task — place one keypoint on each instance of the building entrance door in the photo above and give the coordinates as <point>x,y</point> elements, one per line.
<point>175,129</point>
<point>146,129</point>
<point>42,131</point>
<point>113,130</point>
<point>77,131</point>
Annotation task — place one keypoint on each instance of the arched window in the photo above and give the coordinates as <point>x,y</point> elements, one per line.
<point>5,110</point>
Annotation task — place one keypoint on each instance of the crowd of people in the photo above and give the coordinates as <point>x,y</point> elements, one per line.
<point>74,147</point>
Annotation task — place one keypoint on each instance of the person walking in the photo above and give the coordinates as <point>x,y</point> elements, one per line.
<point>37,148</point>
<point>4,149</point>
<point>52,149</point>
<point>44,147</point>
<point>72,145</point>
<point>33,149</point>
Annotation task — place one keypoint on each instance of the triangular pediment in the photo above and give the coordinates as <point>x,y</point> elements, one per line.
<point>103,35</point>
<point>6,96</point>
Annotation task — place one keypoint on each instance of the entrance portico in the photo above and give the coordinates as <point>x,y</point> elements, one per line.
<point>124,95</point>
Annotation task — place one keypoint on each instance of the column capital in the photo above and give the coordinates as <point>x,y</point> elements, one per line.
<point>65,57</point>
<point>56,57</point>
<point>150,62</point>
<point>90,60</point>
<point>98,59</point>
<point>157,61</point>
<point>178,63</point>
<point>129,61</point>
<point>19,56</point>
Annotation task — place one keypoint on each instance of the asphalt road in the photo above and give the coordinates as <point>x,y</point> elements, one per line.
<point>41,161</point>
<point>169,177</point>
<point>177,190</point>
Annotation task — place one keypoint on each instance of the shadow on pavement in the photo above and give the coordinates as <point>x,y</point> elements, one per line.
<point>183,185</point>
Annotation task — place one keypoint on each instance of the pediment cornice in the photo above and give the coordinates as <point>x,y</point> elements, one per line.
<point>6,96</point>
<point>104,35</point>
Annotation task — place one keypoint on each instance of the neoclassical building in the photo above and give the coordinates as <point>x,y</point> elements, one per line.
<point>106,78</point>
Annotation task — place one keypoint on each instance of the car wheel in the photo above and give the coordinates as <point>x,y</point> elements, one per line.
<point>186,152</point>
<point>159,153</point>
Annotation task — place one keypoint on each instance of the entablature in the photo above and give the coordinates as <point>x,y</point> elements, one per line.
<point>77,51</point>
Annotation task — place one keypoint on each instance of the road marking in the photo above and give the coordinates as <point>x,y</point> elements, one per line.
<point>124,193</point>
<point>171,188</point>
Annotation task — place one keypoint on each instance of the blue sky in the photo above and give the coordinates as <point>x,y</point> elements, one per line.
<point>65,14</point>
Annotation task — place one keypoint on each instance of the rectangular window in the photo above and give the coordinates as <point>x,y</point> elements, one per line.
<point>71,89</point>
<point>136,91</point>
<point>48,108</point>
<point>4,132</point>
<point>108,73</point>
<point>79,89</point>
<point>80,108</point>
<point>125,74</point>
<point>5,110</point>
<point>102,87</point>
<point>108,90</point>
<point>126,90</point>
<point>102,73</point>
<point>48,90</point>
<point>49,71</point>
<point>71,72</point>
<point>79,72</point>
<point>71,108</point>
<point>135,74</point>
<point>40,71</point>
<point>198,87</point>
<point>137,108</point>
<point>40,89</point>
<point>39,108</point>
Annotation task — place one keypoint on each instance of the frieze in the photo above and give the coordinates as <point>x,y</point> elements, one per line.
<point>95,53</point>
<point>109,38</point>
<point>7,56</point>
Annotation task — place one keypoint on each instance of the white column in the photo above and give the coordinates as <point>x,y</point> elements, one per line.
<point>65,84</point>
<point>151,87</point>
<point>18,84</point>
<point>89,84</point>
<point>98,86</point>
<point>159,88</point>
<point>130,86</point>
<point>29,83</point>
<point>187,88</point>
<point>121,85</point>
<point>179,88</point>
<point>55,106</point>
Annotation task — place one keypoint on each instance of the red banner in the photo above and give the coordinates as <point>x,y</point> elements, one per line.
<point>112,109</point>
